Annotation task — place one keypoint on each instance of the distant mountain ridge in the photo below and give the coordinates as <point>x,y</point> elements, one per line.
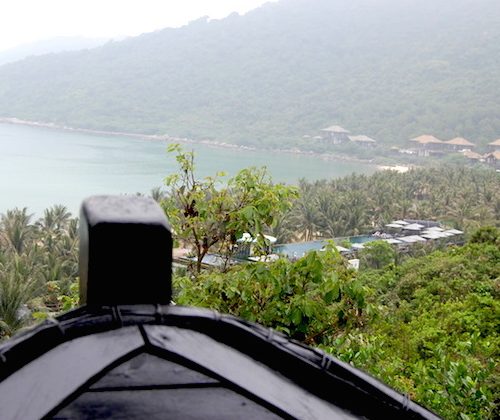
<point>50,46</point>
<point>390,69</point>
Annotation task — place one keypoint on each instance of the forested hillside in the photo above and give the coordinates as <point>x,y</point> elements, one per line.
<point>390,69</point>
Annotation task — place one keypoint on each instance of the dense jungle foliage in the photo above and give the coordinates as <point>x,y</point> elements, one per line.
<point>426,323</point>
<point>38,265</point>
<point>390,69</point>
<point>464,198</point>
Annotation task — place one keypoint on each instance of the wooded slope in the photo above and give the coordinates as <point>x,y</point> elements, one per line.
<point>391,69</point>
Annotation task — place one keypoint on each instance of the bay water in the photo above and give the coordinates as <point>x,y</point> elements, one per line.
<point>40,167</point>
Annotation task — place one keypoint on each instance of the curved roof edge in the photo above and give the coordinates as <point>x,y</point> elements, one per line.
<point>338,384</point>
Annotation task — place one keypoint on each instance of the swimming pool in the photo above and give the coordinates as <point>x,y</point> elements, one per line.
<point>360,239</point>
<point>299,249</point>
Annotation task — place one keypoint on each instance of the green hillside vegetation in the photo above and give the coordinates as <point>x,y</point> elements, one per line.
<point>426,322</point>
<point>427,327</point>
<point>391,69</point>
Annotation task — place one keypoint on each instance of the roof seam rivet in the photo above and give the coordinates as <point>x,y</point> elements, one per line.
<point>117,316</point>
<point>270,335</point>
<point>159,314</point>
<point>325,362</point>
<point>406,402</point>
<point>57,324</point>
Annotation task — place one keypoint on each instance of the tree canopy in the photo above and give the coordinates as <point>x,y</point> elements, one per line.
<point>465,198</point>
<point>209,216</point>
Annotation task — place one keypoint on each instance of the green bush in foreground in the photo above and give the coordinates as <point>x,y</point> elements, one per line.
<point>427,327</point>
<point>309,299</point>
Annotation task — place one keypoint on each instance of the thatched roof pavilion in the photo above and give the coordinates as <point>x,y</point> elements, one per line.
<point>336,134</point>
<point>428,144</point>
<point>336,129</point>
<point>472,155</point>
<point>362,139</point>
<point>427,139</point>
<point>460,141</point>
<point>495,144</point>
<point>493,157</point>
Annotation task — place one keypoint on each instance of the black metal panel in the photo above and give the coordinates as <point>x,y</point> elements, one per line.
<point>323,376</point>
<point>185,403</point>
<point>45,382</point>
<point>317,373</point>
<point>259,380</point>
<point>148,370</point>
<point>125,251</point>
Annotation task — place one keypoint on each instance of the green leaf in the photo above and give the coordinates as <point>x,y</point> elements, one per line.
<point>296,316</point>
<point>332,295</point>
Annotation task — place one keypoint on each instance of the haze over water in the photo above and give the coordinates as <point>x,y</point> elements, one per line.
<point>42,167</point>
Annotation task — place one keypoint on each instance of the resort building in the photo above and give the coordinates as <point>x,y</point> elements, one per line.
<point>427,145</point>
<point>246,246</point>
<point>363,140</point>
<point>399,233</point>
<point>494,145</point>
<point>335,134</point>
<point>246,249</point>
<point>473,156</point>
<point>459,144</point>
<point>493,158</point>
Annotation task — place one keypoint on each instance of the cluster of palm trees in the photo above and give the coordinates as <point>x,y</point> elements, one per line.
<point>38,264</point>
<point>462,197</point>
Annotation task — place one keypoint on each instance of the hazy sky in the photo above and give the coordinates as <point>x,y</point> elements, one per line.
<point>24,21</point>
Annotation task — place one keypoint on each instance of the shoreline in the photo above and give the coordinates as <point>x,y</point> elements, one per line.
<point>172,139</point>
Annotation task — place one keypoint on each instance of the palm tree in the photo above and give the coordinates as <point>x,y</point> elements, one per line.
<point>17,286</point>
<point>329,217</point>
<point>15,229</point>
<point>282,230</point>
<point>158,194</point>
<point>305,217</point>
<point>55,219</point>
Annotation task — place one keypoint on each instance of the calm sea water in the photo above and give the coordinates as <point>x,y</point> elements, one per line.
<point>41,167</point>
